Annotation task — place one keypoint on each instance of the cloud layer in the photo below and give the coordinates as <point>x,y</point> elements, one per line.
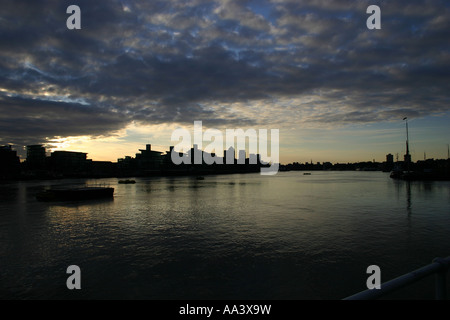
<point>229,63</point>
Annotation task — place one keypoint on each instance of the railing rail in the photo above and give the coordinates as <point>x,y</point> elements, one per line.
<point>439,267</point>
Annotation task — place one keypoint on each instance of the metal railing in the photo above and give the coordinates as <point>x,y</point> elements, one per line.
<point>439,267</point>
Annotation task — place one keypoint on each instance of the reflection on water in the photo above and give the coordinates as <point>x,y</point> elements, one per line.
<point>408,197</point>
<point>289,236</point>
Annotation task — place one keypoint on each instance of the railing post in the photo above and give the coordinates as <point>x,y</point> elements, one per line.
<point>440,279</point>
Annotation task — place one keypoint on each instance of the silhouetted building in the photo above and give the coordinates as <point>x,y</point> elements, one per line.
<point>241,157</point>
<point>103,168</point>
<point>195,155</point>
<point>229,156</point>
<point>69,162</point>
<point>9,163</point>
<point>389,158</point>
<point>389,164</point>
<point>253,158</point>
<point>149,161</point>
<point>127,167</point>
<point>327,165</point>
<point>36,157</point>
<point>167,158</point>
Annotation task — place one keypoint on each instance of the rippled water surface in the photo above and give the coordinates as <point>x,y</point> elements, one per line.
<point>289,236</point>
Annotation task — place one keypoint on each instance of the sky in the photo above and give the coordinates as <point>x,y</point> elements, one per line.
<point>137,70</point>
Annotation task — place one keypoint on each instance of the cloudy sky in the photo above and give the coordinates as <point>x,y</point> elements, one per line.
<point>137,70</point>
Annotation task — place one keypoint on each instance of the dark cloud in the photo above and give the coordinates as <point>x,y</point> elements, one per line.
<point>180,61</point>
<point>34,120</point>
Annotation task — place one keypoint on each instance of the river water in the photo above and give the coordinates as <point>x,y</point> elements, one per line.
<point>240,236</point>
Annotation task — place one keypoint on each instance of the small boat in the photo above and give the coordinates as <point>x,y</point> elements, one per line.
<point>200,178</point>
<point>127,181</point>
<point>396,174</point>
<point>75,194</point>
<point>306,173</point>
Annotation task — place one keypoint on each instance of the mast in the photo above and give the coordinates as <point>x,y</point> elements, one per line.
<point>407,156</point>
